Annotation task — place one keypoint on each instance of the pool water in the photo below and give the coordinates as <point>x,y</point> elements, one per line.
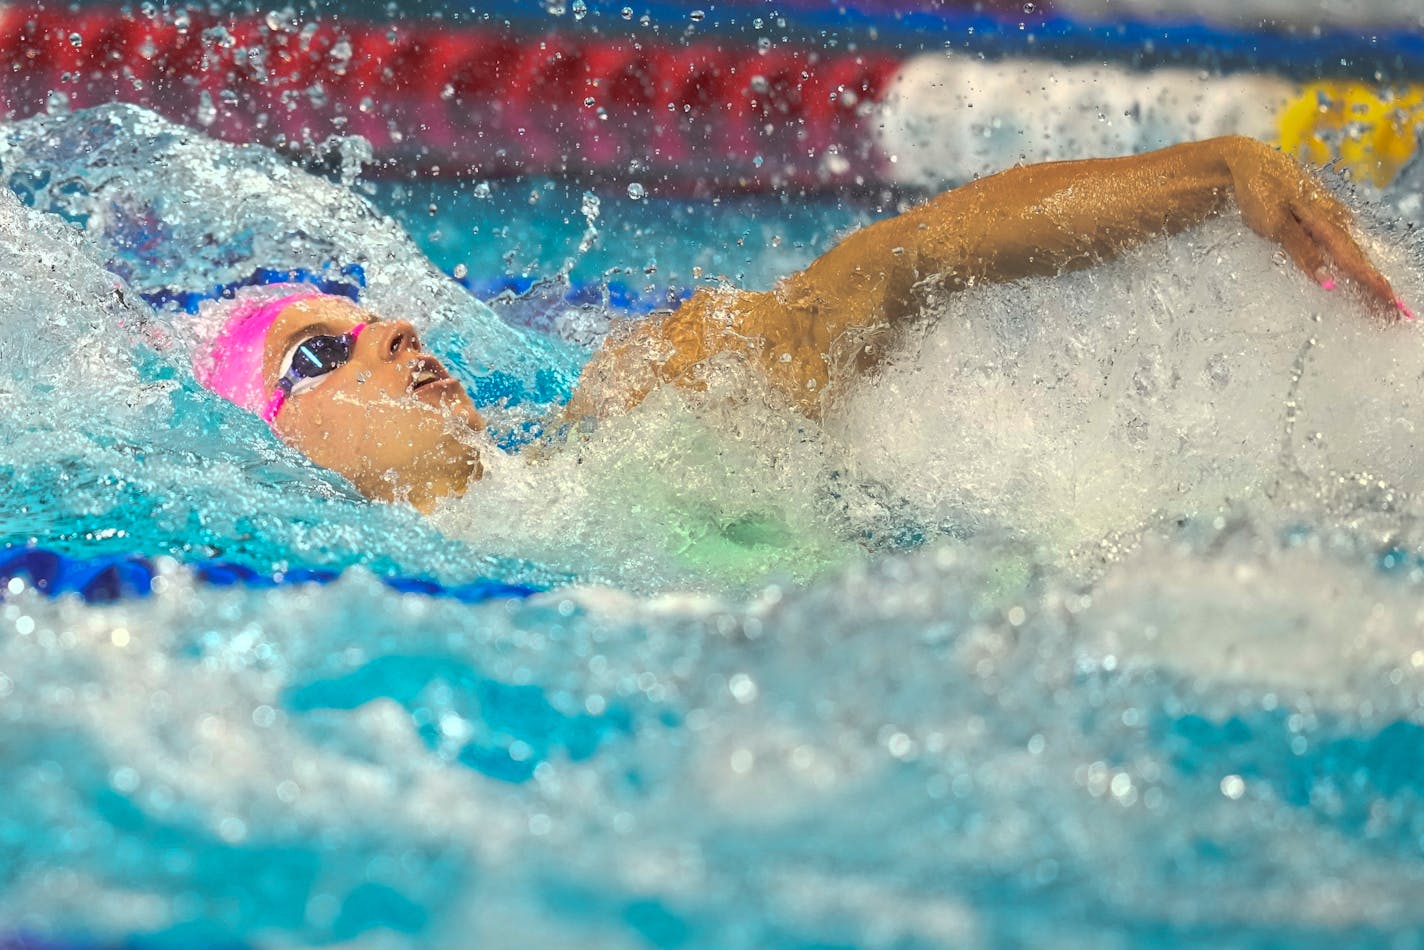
<point>1092,620</point>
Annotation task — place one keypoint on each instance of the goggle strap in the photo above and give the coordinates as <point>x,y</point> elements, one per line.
<point>274,405</point>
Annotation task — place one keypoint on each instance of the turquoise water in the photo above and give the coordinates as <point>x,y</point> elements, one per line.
<point>1093,621</point>
<point>537,228</point>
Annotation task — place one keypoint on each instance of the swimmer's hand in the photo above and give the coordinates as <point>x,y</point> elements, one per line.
<point>1284,203</point>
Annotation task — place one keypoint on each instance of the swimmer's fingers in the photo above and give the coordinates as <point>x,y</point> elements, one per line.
<point>1282,201</point>
<point>1331,237</point>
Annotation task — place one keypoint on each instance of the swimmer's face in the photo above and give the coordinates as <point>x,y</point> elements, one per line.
<point>391,420</point>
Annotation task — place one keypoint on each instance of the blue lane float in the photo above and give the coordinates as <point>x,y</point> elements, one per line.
<point>349,280</point>
<point>104,580</point>
<point>1012,28</point>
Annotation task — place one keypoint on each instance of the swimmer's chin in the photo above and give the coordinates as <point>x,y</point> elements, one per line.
<point>426,494</point>
<point>453,477</point>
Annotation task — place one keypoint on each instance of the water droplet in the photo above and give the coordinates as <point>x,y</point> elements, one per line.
<point>580,9</point>
<point>482,190</point>
<point>742,687</point>
<point>124,780</point>
<point>697,16</point>
<point>589,101</point>
<point>636,191</point>
<point>75,40</point>
<point>627,13</point>
<point>280,20</point>
<point>1028,8</point>
<point>589,206</point>
<point>219,37</point>
<point>207,112</point>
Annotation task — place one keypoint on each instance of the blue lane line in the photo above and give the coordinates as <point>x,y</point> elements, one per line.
<point>1004,29</point>
<point>103,580</point>
<point>616,294</point>
<point>349,280</point>
<point>345,280</point>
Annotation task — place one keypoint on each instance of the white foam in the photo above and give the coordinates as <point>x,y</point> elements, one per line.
<point>671,496</point>
<point>1190,374</point>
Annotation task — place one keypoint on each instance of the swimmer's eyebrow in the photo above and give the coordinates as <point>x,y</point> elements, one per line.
<point>316,328</point>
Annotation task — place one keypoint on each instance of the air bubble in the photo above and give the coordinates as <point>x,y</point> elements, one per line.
<point>637,192</point>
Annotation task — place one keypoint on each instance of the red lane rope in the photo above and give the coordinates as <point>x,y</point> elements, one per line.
<point>468,101</point>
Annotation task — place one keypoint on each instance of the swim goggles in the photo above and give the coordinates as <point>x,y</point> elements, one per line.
<point>307,363</point>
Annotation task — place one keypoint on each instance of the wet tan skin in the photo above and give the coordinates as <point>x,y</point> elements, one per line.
<point>381,420</point>
<point>822,328</point>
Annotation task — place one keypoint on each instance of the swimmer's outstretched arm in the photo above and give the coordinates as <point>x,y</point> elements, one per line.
<point>827,322</point>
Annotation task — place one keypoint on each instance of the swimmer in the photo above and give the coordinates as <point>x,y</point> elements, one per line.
<point>358,395</point>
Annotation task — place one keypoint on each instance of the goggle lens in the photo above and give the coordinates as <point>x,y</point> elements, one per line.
<point>320,355</point>
<point>314,358</point>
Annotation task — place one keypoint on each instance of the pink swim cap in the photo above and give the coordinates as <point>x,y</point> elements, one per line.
<point>231,365</point>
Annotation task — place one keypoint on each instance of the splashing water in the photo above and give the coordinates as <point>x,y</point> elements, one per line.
<point>1095,615</point>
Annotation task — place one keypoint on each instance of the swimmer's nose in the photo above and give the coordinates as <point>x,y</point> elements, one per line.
<point>394,338</point>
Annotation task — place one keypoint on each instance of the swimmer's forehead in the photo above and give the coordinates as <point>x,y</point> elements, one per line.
<point>335,313</point>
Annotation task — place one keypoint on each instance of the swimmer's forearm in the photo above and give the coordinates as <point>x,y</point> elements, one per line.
<point>1039,220</point>
<point>828,322</point>
<point>1036,220</point>
<point>1042,220</point>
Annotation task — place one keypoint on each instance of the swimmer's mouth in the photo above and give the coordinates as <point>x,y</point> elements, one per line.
<point>428,372</point>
